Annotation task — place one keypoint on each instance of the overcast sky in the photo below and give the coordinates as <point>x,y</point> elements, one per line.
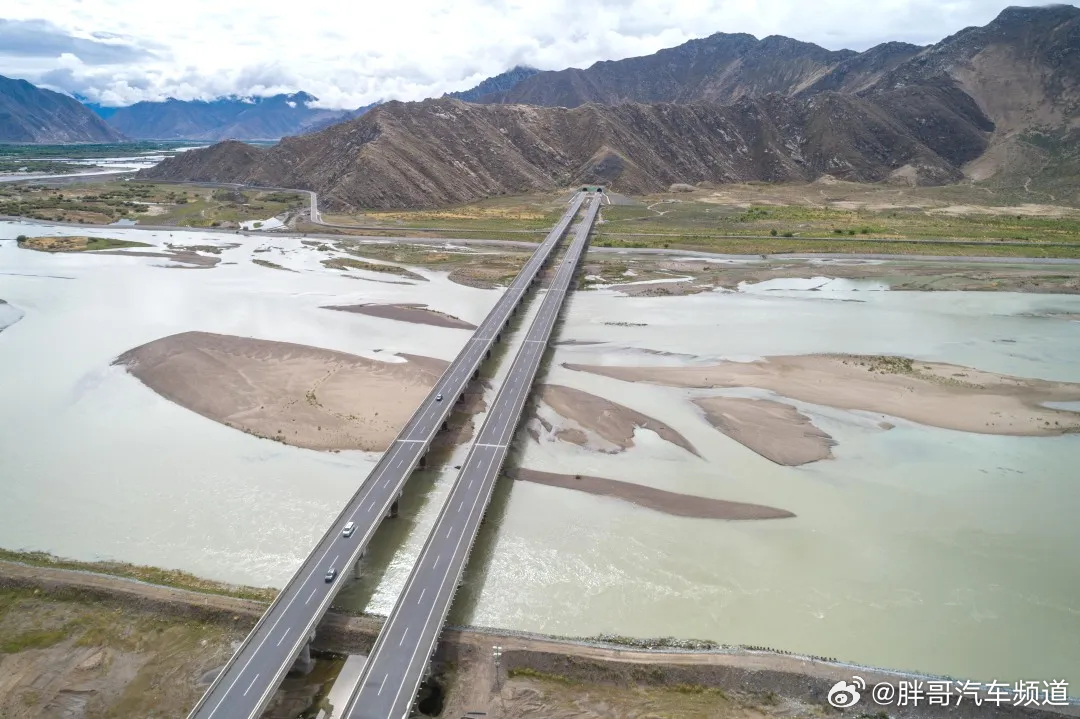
<point>351,53</point>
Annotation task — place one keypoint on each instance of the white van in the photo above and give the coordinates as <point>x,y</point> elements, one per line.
<point>349,529</point>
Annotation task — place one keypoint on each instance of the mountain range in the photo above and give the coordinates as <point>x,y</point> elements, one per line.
<point>34,115</point>
<point>259,118</point>
<point>721,109</point>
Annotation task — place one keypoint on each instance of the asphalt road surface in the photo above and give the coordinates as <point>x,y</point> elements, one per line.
<point>248,682</point>
<point>399,659</point>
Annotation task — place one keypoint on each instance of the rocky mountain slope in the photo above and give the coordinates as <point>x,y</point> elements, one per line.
<point>775,110</point>
<point>260,118</point>
<point>446,151</point>
<point>32,114</point>
<point>500,83</point>
<point>719,68</point>
<point>1022,70</point>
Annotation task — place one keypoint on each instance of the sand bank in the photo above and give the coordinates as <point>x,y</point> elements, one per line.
<point>9,315</point>
<point>930,393</point>
<point>303,396</point>
<point>189,259</point>
<point>418,314</point>
<point>776,431</point>
<point>680,505</point>
<point>614,422</point>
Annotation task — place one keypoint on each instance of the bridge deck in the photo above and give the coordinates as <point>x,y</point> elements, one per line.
<point>396,666</point>
<point>248,682</point>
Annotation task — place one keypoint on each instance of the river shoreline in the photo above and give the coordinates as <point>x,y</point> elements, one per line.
<point>753,671</point>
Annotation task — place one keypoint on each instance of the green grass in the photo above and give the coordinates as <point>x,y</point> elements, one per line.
<point>348,263</point>
<point>92,243</point>
<point>33,639</point>
<point>188,206</point>
<point>781,245</point>
<point>108,243</point>
<point>529,673</point>
<point>150,575</point>
<point>271,265</point>
<point>700,219</point>
<point>118,149</point>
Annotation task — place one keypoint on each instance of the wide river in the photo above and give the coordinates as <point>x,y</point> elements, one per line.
<point>915,548</point>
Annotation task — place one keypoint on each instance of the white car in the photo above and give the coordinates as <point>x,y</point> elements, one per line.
<point>349,529</point>
<point>438,397</point>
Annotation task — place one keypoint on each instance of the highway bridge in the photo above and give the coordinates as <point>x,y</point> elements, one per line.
<point>399,660</point>
<point>247,683</point>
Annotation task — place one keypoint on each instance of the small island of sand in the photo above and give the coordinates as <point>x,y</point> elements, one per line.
<point>776,431</point>
<point>930,393</point>
<point>680,505</point>
<point>612,422</point>
<point>415,313</point>
<point>303,396</point>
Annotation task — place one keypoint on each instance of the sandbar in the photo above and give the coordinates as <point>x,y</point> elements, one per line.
<point>612,421</point>
<point>935,394</point>
<point>300,395</point>
<point>680,505</point>
<point>776,431</point>
<point>418,314</point>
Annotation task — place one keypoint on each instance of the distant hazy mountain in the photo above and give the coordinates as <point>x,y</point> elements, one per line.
<point>500,83</point>
<point>32,114</point>
<point>727,108</point>
<point>259,118</point>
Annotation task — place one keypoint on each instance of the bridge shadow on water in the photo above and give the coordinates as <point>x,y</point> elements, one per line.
<point>479,563</point>
<point>388,540</point>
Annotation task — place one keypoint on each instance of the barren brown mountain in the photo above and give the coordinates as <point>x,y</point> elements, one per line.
<point>796,112</point>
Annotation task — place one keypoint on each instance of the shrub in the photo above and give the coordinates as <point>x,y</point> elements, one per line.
<point>773,233</point>
<point>789,234</point>
<point>851,232</point>
<point>838,231</point>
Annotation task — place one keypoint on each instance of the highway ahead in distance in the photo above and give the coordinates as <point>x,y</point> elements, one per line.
<point>387,686</point>
<point>248,682</point>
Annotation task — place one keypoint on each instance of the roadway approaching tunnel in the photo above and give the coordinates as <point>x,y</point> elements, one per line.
<point>399,660</point>
<point>246,684</point>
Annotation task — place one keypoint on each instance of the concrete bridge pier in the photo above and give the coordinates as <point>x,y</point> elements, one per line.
<point>357,572</point>
<point>393,511</point>
<point>304,663</point>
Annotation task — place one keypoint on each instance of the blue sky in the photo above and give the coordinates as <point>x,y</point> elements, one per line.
<point>352,53</point>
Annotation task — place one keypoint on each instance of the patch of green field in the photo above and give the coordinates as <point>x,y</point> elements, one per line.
<point>32,639</point>
<point>112,149</point>
<point>705,219</point>
<point>147,203</point>
<point>781,245</point>
<point>270,265</point>
<point>348,263</point>
<point>62,243</point>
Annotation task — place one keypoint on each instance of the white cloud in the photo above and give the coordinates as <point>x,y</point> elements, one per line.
<point>352,53</point>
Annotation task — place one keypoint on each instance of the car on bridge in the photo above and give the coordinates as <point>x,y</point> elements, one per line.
<point>330,575</point>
